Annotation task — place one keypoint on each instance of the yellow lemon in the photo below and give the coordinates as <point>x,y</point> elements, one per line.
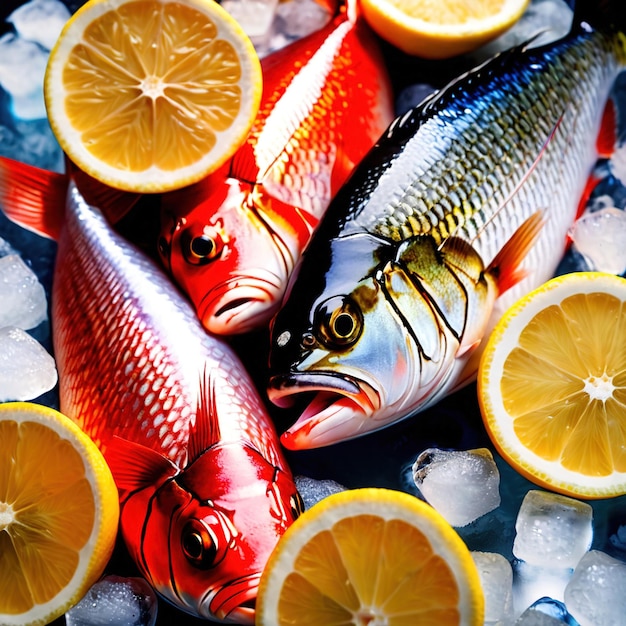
<point>552,385</point>
<point>151,95</point>
<point>439,29</point>
<point>58,514</point>
<point>370,556</point>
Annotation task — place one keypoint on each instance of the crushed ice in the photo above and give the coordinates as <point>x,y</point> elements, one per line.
<point>115,601</point>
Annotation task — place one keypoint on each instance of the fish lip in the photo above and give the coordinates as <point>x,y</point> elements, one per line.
<point>233,603</point>
<point>283,386</point>
<point>240,304</point>
<point>343,407</point>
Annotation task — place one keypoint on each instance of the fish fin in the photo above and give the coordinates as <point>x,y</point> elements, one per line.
<point>590,185</point>
<point>243,165</point>
<point>505,267</point>
<point>607,137</point>
<point>115,204</point>
<point>135,467</point>
<point>206,430</point>
<point>33,197</point>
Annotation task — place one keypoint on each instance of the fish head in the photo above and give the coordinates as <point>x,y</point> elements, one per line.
<point>203,537</point>
<point>385,336</point>
<point>231,252</point>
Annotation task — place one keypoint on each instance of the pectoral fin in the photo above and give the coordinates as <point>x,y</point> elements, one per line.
<point>505,267</point>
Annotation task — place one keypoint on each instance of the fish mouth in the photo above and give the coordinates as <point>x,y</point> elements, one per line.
<point>342,408</point>
<point>240,304</point>
<point>233,603</point>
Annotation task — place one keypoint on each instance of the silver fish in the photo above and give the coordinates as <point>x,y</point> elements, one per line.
<point>460,208</point>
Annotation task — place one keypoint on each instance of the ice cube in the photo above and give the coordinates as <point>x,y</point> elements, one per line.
<point>600,236</point>
<point>552,530</point>
<point>533,582</point>
<point>595,594</point>
<point>6,248</point>
<point>496,577</point>
<point>23,300</point>
<point>299,18</point>
<point>26,368</point>
<point>312,490</point>
<point>462,485</point>
<point>115,601</point>
<point>22,68</point>
<point>40,21</point>
<point>254,16</point>
<point>546,612</point>
<point>543,21</point>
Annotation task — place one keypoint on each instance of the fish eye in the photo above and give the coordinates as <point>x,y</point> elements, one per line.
<point>199,544</point>
<point>203,248</point>
<point>339,322</point>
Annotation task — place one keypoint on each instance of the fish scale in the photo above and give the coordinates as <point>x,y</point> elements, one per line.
<point>477,179</point>
<point>121,325</point>
<point>460,208</point>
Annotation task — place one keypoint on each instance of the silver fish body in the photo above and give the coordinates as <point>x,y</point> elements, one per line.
<point>382,321</point>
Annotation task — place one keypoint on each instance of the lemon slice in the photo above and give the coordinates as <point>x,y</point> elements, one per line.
<point>370,556</point>
<point>58,514</point>
<point>439,29</point>
<point>552,385</point>
<point>151,95</point>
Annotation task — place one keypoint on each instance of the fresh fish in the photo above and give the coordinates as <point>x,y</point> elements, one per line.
<point>205,491</point>
<point>461,207</point>
<point>232,241</point>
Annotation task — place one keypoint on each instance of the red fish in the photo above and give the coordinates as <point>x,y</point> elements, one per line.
<point>205,491</point>
<point>233,241</point>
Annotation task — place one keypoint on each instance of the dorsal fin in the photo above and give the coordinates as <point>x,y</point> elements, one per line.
<point>135,467</point>
<point>243,165</point>
<point>206,430</point>
<point>33,197</point>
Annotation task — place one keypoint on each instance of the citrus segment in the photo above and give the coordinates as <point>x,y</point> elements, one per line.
<point>434,29</point>
<point>368,556</point>
<point>58,513</point>
<point>151,95</point>
<point>552,385</point>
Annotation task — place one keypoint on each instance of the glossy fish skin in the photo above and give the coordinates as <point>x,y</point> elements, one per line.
<point>233,241</point>
<point>371,338</point>
<point>205,491</point>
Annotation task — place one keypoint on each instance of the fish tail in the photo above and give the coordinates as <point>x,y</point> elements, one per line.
<point>32,197</point>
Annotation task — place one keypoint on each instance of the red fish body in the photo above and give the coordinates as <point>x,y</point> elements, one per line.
<point>204,489</point>
<point>233,241</point>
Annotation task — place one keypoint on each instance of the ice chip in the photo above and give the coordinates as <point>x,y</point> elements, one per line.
<point>115,601</point>
<point>26,368</point>
<point>552,530</point>
<point>40,21</point>
<point>22,68</point>
<point>595,595</point>
<point>23,300</point>
<point>312,490</point>
<point>600,236</point>
<point>546,612</point>
<point>461,485</point>
<point>496,578</point>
